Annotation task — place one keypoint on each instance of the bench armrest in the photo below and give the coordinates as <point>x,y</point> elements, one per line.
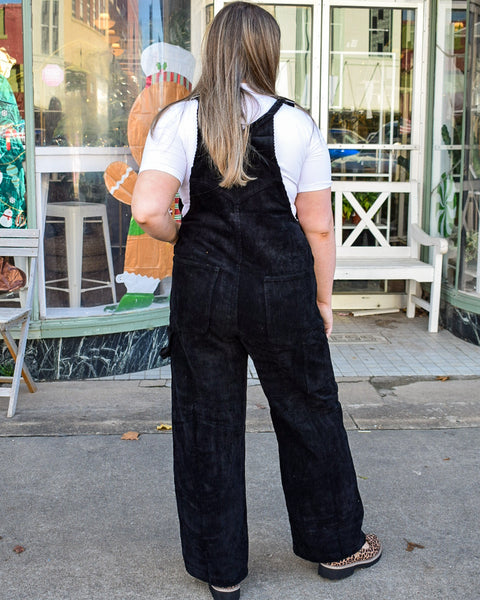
<point>423,238</point>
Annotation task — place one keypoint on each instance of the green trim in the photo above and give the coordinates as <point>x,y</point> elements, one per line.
<point>29,127</point>
<point>29,113</point>
<point>134,320</point>
<point>467,302</point>
<point>429,120</point>
<point>466,62</point>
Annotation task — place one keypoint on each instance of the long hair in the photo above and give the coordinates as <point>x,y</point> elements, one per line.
<point>242,44</point>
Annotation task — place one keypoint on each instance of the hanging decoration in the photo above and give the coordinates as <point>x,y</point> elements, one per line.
<point>53,75</point>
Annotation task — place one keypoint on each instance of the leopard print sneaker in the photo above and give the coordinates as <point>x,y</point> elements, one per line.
<point>367,556</point>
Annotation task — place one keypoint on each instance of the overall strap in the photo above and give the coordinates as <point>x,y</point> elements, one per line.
<point>274,109</point>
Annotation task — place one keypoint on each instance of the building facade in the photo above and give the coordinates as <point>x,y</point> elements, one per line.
<point>394,87</point>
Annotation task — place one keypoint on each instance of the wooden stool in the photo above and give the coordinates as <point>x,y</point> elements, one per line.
<point>75,214</point>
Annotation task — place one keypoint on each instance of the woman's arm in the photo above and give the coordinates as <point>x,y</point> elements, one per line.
<point>152,198</point>
<point>315,215</point>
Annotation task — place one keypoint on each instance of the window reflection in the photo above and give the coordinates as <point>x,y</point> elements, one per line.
<point>456,142</point>
<point>295,69</point>
<point>369,125</point>
<point>469,265</point>
<point>370,96</point>
<point>11,35</point>
<point>12,115</point>
<point>448,124</point>
<point>102,68</point>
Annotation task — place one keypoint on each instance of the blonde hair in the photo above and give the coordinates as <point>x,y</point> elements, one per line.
<point>242,44</point>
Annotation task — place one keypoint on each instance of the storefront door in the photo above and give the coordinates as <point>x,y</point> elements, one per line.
<point>372,110</point>
<point>361,73</point>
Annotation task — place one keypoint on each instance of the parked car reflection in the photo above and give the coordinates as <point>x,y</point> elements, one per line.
<point>398,130</point>
<point>344,136</point>
<point>367,161</point>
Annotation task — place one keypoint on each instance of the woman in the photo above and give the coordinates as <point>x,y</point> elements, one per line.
<point>253,271</point>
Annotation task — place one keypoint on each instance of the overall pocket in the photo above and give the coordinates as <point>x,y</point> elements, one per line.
<point>193,286</point>
<point>291,309</point>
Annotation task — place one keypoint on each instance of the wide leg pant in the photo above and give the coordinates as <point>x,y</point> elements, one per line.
<point>209,348</point>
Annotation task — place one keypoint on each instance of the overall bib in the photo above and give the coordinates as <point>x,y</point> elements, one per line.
<point>243,284</point>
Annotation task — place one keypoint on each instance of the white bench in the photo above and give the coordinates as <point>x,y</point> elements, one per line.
<point>19,243</point>
<point>384,258</point>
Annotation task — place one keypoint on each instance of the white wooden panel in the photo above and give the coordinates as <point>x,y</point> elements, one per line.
<point>376,252</point>
<point>368,301</point>
<point>371,269</point>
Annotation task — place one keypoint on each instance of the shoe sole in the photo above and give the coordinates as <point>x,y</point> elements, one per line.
<point>217,595</point>
<point>336,573</point>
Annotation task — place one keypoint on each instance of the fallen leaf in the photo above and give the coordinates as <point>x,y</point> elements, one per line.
<point>362,477</point>
<point>443,378</point>
<point>163,427</point>
<point>411,546</point>
<point>260,406</point>
<point>130,435</point>
<point>19,549</point>
<point>446,459</point>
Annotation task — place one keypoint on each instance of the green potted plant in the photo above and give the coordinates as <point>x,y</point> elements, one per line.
<point>347,210</point>
<point>365,199</point>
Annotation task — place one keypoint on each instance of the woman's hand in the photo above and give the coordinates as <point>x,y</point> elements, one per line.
<point>327,316</point>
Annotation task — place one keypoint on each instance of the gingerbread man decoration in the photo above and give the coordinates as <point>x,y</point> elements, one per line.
<point>169,71</point>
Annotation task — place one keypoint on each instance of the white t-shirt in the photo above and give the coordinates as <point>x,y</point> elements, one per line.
<point>300,149</point>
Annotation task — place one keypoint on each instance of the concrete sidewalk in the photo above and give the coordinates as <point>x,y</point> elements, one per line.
<point>96,514</point>
<point>111,407</point>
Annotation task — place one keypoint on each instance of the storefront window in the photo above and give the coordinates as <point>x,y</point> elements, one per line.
<point>370,111</point>
<point>12,118</point>
<point>469,263</point>
<point>370,92</point>
<point>447,129</point>
<point>102,68</point>
<point>456,136</point>
<point>372,62</point>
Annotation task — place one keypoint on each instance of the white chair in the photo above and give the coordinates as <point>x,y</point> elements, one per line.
<point>18,243</point>
<point>75,214</point>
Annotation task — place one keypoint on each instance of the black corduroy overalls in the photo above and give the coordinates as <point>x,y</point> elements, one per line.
<point>243,284</point>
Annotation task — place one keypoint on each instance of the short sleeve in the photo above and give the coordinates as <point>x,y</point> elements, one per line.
<point>316,170</point>
<point>164,149</point>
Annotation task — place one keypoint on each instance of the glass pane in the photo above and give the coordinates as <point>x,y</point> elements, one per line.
<point>295,72</point>
<point>12,115</point>
<point>101,71</point>
<point>447,128</point>
<point>370,91</point>
<point>469,267</point>
<point>469,280</point>
<point>91,67</point>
